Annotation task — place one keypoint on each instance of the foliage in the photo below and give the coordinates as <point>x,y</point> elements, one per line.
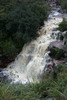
<point>8,48</point>
<point>64,4</point>
<point>63,26</point>
<point>57,53</point>
<point>20,21</point>
<point>61,37</point>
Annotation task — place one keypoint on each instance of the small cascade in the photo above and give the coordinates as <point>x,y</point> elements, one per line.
<point>32,60</point>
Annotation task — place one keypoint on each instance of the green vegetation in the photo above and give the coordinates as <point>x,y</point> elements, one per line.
<point>64,4</point>
<point>8,48</point>
<point>63,26</point>
<point>55,86</point>
<point>19,23</point>
<point>57,53</point>
<point>61,37</point>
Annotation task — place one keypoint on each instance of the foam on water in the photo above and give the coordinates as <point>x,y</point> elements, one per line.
<point>30,63</point>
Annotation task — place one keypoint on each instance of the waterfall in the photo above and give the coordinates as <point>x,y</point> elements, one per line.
<point>31,62</point>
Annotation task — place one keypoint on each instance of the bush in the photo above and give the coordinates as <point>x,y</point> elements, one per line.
<point>20,21</point>
<point>63,26</point>
<point>23,20</point>
<point>64,5</point>
<point>2,36</point>
<point>8,48</point>
<point>57,53</point>
<point>60,54</point>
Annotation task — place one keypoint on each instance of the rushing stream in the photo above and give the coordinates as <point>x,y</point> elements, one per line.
<point>30,63</point>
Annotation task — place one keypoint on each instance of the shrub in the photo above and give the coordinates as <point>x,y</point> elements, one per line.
<point>2,36</point>
<point>63,26</point>
<point>8,48</point>
<point>64,4</point>
<point>61,37</point>
<point>20,21</point>
<point>57,53</point>
<point>23,20</point>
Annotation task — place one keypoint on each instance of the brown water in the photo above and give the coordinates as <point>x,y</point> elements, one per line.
<point>30,63</point>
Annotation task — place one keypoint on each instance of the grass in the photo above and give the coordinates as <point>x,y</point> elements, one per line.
<point>55,86</point>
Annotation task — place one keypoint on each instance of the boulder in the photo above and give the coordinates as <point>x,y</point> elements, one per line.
<point>57,44</point>
<point>4,78</point>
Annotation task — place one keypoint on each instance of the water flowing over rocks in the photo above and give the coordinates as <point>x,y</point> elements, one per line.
<point>34,58</point>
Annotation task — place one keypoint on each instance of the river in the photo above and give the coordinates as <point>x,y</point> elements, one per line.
<point>30,63</point>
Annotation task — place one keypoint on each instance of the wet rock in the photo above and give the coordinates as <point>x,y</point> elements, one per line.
<point>3,59</point>
<point>1,69</point>
<point>49,60</point>
<point>50,65</point>
<point>55,29</point>
<point>63,62</point>
<point>1,75</point>
<point>58,9</point>
<point>57,44</point>
<point>63,33</point>
<point>65,41</point>
<point>4,78</point>
<point>62,37</point>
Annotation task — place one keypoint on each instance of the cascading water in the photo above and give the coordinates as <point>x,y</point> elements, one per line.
<point>30,63</point>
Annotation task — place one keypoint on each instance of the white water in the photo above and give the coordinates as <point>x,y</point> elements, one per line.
<point>30,63</point>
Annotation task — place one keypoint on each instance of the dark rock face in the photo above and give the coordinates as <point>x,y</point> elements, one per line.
<point>1,69</point>
<point>4,61</point>
<point>65,16</point>
<point>50,65</point>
